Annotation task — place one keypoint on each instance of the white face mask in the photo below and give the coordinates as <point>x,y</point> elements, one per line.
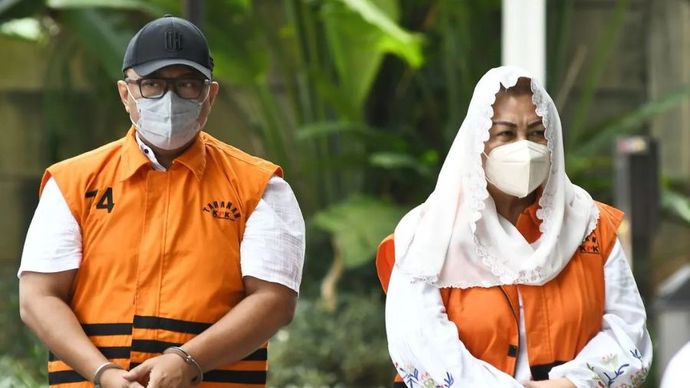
<point>518,168</point>
<point>168,122</point>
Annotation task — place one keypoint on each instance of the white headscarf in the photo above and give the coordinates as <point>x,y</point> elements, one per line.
<point>457,239</point>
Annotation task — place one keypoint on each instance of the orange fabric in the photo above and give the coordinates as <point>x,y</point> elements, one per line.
<point>385,259</point>
<point>560,316</point>
<point>161,250</point>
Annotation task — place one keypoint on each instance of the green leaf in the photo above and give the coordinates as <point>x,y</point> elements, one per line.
<point>676,204</point>
<point>355,49</point>
<point>239,54</point>
<point>25,28</point>
<point>359,35</point>
<point>398,41</point>
<point>394,160</point>
<point>327,128</point>
<point>358,225</point>
<point>101,36</point>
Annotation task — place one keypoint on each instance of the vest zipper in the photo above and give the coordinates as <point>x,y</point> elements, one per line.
<point>517,323</point>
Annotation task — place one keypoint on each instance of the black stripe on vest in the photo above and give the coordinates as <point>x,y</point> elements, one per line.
<point>229,376</point>
<point>399,384</point>
<point>258,355</point>
<point>153,346</point>
<point>92,329</point>
<point>214,376</point>
<point>235,376</point>
<point>169,324</point>
<point>64,377</point>
<point>541,372</point>
<point>110,352</point>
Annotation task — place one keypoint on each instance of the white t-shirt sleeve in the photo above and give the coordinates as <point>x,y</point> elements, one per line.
<point>272,248</point>
<point>53,242</point>
<point>621,353</point>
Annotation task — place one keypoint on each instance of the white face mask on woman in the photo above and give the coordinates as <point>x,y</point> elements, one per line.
<point>168,122</point>
<point>518,168</point>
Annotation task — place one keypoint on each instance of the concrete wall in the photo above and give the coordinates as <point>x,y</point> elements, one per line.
<point>622,85</point>
<point>669,68</point>
<point>673,326</point>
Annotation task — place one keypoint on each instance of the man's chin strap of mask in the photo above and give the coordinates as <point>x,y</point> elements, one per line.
<point>169,122</point>
<point>518,168</point>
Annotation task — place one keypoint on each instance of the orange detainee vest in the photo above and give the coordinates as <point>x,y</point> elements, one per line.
<point>560,316</point>
<point>160,250</point>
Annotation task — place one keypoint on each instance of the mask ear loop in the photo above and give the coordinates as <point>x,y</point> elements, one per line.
<point>129,92</point>
<point>208,93</point>
<point>136,103</point>
<point>486,176</point>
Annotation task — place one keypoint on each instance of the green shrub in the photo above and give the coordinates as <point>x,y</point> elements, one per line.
<point>15,373</point>
<point>346,348</point>
<point>23,358</point>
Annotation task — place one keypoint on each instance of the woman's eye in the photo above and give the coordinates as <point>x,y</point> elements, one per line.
<point>539,134</point>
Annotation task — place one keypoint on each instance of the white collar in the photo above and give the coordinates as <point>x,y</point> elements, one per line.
<point>148,152</point>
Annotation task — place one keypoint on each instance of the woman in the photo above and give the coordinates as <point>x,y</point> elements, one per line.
<point>509,275</point>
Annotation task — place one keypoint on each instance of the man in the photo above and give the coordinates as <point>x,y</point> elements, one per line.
<point>166,258</point>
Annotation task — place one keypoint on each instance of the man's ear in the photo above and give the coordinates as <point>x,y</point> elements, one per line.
<point>213,92</point>
<point>124,94</point>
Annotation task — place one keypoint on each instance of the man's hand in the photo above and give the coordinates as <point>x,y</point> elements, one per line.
<point>557,383</point>
<point>114,378</point>
<point>164,371</point>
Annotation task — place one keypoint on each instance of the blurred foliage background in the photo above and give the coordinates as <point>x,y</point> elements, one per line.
<point>358,100</point>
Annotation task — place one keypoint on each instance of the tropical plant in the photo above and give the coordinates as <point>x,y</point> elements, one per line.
<point>342,349</point>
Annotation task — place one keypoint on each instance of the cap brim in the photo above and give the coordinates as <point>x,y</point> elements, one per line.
<point>147,68</point>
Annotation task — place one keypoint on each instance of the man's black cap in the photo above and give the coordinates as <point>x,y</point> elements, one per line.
<point>168,41</point>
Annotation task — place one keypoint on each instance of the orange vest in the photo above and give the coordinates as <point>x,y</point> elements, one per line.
<point>560,316</point>
<point>160,250</point>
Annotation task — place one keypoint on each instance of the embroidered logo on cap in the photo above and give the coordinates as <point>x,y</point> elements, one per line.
<point>173,40</point>
<point>223,210</point>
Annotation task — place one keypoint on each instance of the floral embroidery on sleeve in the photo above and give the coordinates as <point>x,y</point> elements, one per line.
<point>413,378</point>
<point>611,369</point>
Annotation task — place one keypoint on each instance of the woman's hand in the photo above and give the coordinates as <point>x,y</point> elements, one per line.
<point>557,383</point>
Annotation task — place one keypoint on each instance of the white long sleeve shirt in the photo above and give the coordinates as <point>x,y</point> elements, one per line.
<point>424,344</point>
